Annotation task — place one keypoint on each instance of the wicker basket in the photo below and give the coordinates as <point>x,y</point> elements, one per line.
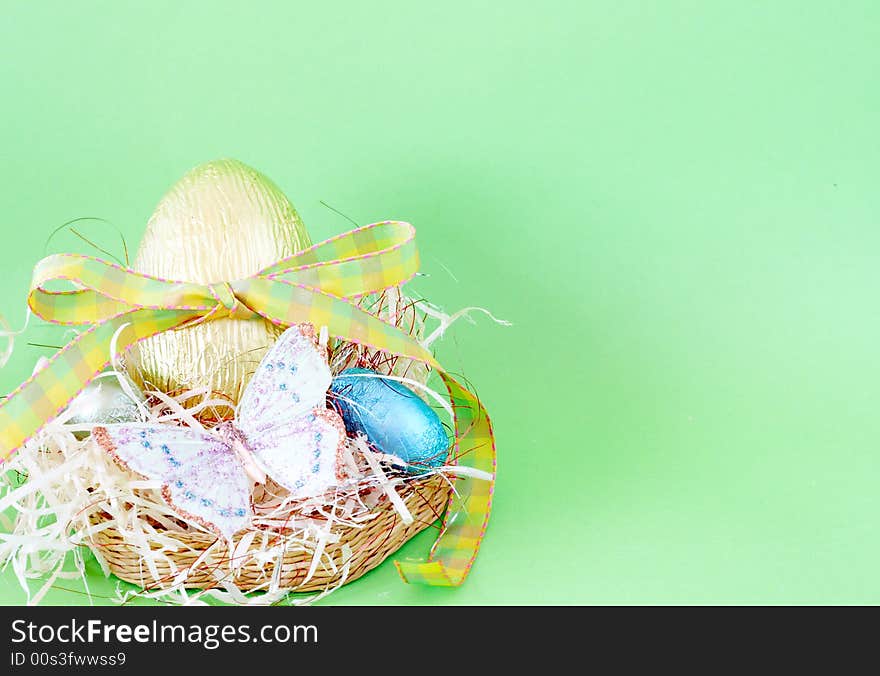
<point>370,544</point>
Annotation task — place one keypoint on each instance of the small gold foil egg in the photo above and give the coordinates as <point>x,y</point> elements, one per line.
<point>221,222</point>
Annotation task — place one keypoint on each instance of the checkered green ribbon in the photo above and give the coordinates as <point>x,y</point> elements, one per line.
<point>316,286</point>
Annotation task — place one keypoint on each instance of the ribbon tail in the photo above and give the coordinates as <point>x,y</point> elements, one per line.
<point>47,393</point>
<point>467,515</point>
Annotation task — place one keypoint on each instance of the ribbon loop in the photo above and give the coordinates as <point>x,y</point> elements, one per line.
<point>356,263</point>
<point>311,286</point>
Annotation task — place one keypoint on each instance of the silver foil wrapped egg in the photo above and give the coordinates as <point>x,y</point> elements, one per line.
<point>106,402</point>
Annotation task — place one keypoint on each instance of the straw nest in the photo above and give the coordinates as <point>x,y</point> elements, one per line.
<point>199,560</point>
<point>62,495</point>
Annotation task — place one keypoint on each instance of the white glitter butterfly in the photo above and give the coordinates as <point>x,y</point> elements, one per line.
<point>282,429</point>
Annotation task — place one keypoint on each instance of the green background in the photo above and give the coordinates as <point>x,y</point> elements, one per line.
<point>676,204</point>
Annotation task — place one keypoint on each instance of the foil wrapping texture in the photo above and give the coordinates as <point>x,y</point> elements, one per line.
<point>221,222</point>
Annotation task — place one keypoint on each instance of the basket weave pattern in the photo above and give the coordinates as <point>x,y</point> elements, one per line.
<point>370,544</point>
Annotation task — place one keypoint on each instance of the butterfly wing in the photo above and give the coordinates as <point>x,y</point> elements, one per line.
<point>290,432</point>
<point>303,455</point>
<point>292,379</point>
<point>201,477</point>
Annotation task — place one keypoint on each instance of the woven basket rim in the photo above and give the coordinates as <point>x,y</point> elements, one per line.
<point>370,545</point>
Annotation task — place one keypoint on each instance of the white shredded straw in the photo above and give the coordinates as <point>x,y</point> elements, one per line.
<point>59,491</point>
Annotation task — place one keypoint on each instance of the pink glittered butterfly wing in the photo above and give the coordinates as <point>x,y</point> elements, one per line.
<point>291,433</point>
<point>292,379</point>
<point>200,474</point>
<point>302,455</point>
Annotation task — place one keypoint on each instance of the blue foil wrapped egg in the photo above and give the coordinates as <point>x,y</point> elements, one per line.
<point>393,417</point>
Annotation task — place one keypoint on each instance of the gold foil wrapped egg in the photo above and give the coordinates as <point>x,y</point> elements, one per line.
<point>221,222</point>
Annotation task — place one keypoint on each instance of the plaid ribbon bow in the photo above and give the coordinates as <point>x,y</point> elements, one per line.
<point>316,286</point>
